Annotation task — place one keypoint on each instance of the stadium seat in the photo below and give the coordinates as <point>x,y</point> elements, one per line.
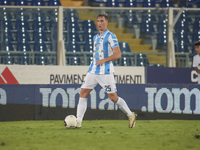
<point>142,60</point>
<point>71,14</point>
<point>73,25</point>
<point>112,3</point>
<point>21,2</point>
<point>124,47</point>
<point>89,26</point>
<point>162,31</point>
<point>149,3</point>
<point>40,46</point>
<point>23,59</point>
<point>73,47</point>
<point>40,59</point>
<point>6,2</point>
<point>89,32</point>
<point>147,25</point>
<point>126,60</point>
<point>167,3</point>
<point>73,36</point>
<point>7,46</point>
<point>131,17</point>
<point>196,31</point>
<point>89,59</point>
<point>131,3</point>
<point>38,3</point>
<point>182,42</point>
<point>54,3</point>
<point>7,59</point>
<point>88,47</point>
<point>23,46</point>
<point>73,59</point>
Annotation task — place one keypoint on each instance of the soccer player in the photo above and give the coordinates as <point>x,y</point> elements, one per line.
<point>101,71</point>
<point>196,59</point>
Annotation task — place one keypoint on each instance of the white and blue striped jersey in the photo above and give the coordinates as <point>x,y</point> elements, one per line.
<point>102,48</point>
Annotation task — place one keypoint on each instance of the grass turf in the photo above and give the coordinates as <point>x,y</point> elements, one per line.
<point>101,135</point>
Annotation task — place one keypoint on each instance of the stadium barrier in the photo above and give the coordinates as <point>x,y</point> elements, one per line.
<point>171,75</point>
<point>149,101</point>
<point>18,74</point>
<point>64,74</point>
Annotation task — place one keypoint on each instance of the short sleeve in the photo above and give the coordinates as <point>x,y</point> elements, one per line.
<point>113,40</point>
<point>195,62</point>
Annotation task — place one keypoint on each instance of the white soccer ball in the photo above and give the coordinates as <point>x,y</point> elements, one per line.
<point>70,121</point>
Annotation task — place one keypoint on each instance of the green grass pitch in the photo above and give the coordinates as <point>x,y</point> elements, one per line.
<point>101,135</point>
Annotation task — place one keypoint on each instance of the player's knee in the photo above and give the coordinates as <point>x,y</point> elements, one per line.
<point>113,97</point>
<point>84,93</point>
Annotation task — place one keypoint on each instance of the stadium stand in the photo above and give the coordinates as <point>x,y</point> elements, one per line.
<point>32,34</point>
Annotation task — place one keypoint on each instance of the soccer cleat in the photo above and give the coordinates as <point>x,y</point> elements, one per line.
<point>78,126</point>
<point>132,120</point>
<point>79,121</point>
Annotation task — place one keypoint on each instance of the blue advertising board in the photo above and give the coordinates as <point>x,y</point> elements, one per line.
<point>171,75</point>
<point>162,98</point>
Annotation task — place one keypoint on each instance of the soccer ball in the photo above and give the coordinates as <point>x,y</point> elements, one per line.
<point>70,121</point>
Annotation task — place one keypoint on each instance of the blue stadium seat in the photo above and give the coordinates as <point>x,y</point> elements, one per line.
<point>7,46</point>
<point>167,3</point>
<point>54,3</point>
<point>23,46</point>
<point>89,59</point>
<point>162,31</point>
<point>73,47</point>
<point>182,24</point>
<point>90,30</point>
<point>198,4</point>
<point>88,47</point>
<point>149,3</point>
<point>71,14</point>
<point>131,3</point>
<point>23,59</point>
<point>38,3</point>
<point>40,59</point>
<point>7,59</point>
<point>112,3</point>
<point>142,60</point>
<point>196,27</point>
<point>182,42</point>
<point>40,46</point>
<point>73,25</point>
<point>126,60</point>
<point>6,2</point>
<point>147,26</point>
<point>89,26</point>
<point>124,47</point>
<point>21,2</point>
<point>73,59</point>
<point>73,36</point>
<point>131,17</point>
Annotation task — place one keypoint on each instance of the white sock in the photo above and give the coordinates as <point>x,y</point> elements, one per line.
<point>124,107</point>
<point>81,109</point>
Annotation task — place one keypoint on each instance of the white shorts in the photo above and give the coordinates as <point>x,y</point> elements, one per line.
<point>107,82</point>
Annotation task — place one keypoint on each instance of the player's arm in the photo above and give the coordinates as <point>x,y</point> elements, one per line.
<point>197,69</point>
<point>114,56</point>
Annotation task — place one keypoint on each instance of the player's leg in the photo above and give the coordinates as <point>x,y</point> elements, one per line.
<point>108,83</point>
<point>89,84</point>
<point>82,105</point>
<point>124,108</point>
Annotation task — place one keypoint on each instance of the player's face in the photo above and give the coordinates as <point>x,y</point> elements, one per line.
<point>197,49</point>
<point>102,23</point>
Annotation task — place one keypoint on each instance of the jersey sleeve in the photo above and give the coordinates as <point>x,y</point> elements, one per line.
<point>113,41</point>
<point>195,62</point>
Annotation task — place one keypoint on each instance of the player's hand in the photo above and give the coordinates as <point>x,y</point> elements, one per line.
<point>100,62</point>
